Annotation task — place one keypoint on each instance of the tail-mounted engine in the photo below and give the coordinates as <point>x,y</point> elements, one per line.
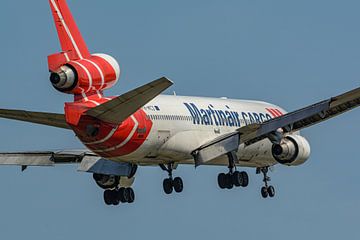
<point>293,150</point>
<point>95,73</point>
<point>74,70</point>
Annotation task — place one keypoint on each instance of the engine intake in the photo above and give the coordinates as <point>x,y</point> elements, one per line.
<point>293,150</point>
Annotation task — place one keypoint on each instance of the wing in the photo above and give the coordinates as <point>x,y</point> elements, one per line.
<point>118,109</point>
<point>289,122</point>
<point>49,119</point>
<point>88,161</point>
<point>45,158</point>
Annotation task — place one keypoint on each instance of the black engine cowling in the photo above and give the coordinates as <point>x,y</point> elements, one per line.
<point>293,150</point>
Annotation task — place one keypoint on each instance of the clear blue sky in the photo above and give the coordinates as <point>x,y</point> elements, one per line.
<point>291,53</point>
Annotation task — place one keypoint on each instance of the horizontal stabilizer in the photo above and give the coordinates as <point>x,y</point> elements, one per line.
<point>49,119</point>
<point>118,109</point>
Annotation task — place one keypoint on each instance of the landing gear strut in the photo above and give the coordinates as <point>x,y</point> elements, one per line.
<point>233,177</point>
<point>117,195</point>
<point>266,190</point>
<point>170,183</point>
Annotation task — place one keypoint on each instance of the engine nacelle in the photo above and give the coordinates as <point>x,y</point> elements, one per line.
<point>95,73</point>
<point>106,181</point>
<point>121,174</point>
<point>293,150</point>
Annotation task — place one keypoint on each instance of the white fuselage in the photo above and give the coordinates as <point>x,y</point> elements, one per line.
<point>182,124</point>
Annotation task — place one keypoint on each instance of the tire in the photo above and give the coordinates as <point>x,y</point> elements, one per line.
<point>107,197</point>
<point>271,191</point>
<point>114,197</point>
<point>130,194</point>
<point>222,180</point>
<point>123,195</point>
<point>245,179</point>
<point>167,186</point>
<point>237,179</point>
<point>178,184</point>
<point>264,192</point>
<point>229,181</point>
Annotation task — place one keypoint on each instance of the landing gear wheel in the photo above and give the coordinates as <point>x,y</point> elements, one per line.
<point>237,179</point>
<point>111,197</point>
<point>170,184</point>
<point>245,179</point>
<point>240,179</point>
<point>222,180</point>
<point>115,200</point>
<point>178,184</point>
<point>107,197</point>
<point>167,185</point>
<point>271,191</point>
<point>130,194</point>
<point>229,181</point>
<point>264,192</point>
<point>123,195</point>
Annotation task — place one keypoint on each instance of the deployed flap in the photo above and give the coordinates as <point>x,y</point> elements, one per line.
<point>105,166</point>
<point>289,122</point>
<point>216,148</point>
<point>118,109</point>
<point>44,158</point>
<point>50,119</point>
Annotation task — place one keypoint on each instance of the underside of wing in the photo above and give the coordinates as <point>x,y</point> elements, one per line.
<point>86,160</point>
<point>49,119</point>
<point>44,158</point>
<point>275,129</point>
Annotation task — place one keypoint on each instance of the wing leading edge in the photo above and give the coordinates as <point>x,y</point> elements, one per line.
<point>289,122</point>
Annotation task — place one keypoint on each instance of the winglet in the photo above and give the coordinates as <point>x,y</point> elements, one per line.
<point>71,41</point>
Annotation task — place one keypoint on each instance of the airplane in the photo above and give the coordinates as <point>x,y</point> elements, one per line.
<point>144,128</point>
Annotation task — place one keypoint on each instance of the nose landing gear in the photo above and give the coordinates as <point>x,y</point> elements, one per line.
<point>266,190</point>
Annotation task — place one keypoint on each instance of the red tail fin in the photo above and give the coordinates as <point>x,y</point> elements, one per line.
<point>72,43</point>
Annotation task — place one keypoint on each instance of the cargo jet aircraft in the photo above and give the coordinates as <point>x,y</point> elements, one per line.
<point>144,128</point>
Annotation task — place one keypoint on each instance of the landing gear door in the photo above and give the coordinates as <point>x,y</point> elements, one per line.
<point>162,137</point>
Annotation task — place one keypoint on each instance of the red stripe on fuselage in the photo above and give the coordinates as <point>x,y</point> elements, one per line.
<point>278,112</point>
<point>109,140</point>
<point>272,112</point>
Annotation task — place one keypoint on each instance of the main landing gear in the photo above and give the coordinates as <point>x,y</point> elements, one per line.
<point>233,178</point>
<point>266,190</point>
<point>117,195</point>
<point>170,183</point>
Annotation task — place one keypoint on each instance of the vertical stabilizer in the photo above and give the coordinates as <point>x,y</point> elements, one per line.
<point>71,41</point>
